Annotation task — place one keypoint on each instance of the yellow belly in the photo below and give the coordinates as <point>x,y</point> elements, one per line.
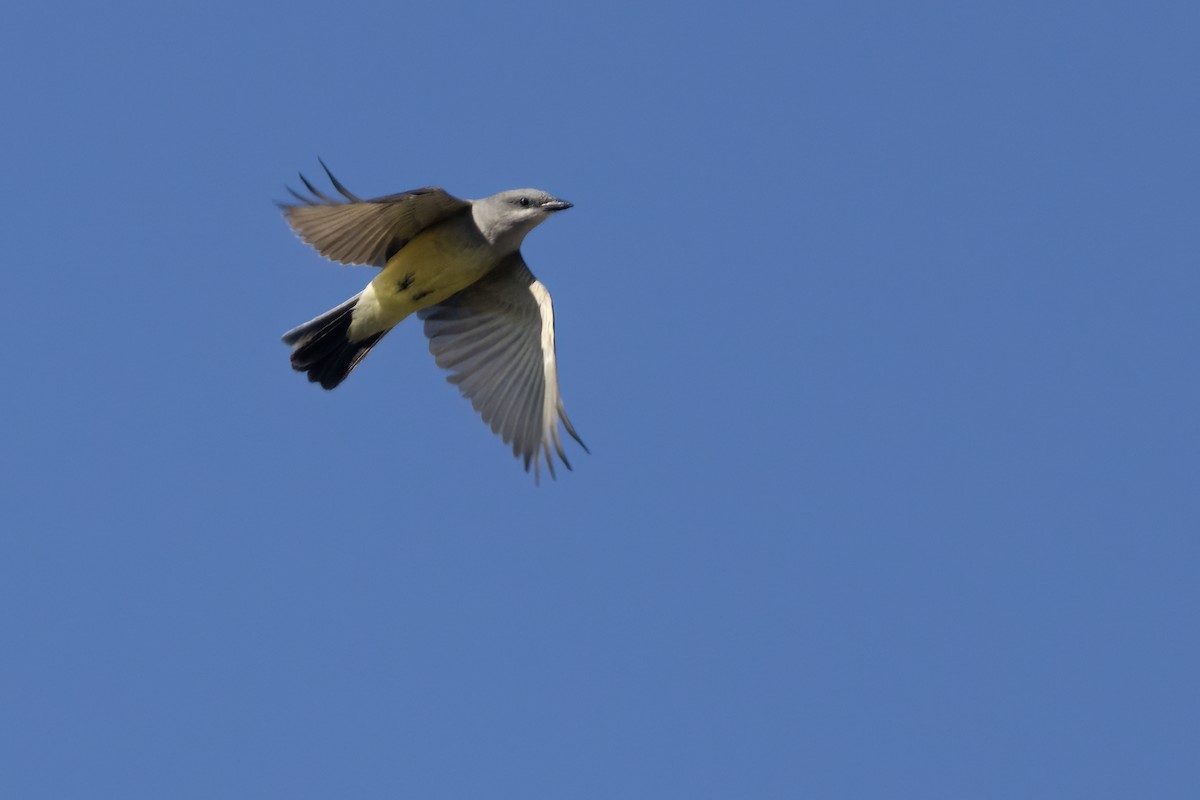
<point>426,271</point>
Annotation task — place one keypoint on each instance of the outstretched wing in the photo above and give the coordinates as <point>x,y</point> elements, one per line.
<point>357,231</point>
<point>497,338</point>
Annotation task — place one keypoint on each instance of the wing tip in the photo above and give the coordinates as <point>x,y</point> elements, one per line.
<point>566,422</point>
<point>319,198</point>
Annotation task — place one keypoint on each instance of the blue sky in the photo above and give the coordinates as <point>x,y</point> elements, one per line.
<point>880,321</point>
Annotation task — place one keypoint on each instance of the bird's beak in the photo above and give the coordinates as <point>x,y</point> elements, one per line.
<point>556,205</point>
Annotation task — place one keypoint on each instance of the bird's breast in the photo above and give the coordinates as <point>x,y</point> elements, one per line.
<point>432,267</point>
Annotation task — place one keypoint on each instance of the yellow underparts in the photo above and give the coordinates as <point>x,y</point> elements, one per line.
<point>426,271</point>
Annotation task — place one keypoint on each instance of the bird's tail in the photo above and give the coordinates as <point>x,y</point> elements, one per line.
<point>322,346</point>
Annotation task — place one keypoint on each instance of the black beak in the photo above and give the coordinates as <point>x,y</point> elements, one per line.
<point>557,205</point>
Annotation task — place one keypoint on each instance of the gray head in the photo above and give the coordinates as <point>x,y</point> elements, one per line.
<point>506,217</point>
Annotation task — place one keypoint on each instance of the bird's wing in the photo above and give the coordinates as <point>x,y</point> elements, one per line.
<point>357,231</point>
<point>497,338</point>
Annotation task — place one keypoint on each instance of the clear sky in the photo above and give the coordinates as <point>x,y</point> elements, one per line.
<point>880,320</point>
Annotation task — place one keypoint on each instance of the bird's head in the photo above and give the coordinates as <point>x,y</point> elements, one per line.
<point>512,214</point>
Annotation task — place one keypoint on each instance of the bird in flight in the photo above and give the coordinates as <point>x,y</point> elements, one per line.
<point>458,265</point>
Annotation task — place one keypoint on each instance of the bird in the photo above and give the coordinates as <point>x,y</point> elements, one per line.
<point>457,265</point>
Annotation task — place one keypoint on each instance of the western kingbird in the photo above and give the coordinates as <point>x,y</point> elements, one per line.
<point>457,263</point>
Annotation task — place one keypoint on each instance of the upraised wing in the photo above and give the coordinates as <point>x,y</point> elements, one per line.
<point>357,231</point>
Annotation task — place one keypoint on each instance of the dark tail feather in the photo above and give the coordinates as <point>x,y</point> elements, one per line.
<point>321,348</point>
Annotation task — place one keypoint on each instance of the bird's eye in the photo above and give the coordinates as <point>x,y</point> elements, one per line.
<point>524,202</point>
